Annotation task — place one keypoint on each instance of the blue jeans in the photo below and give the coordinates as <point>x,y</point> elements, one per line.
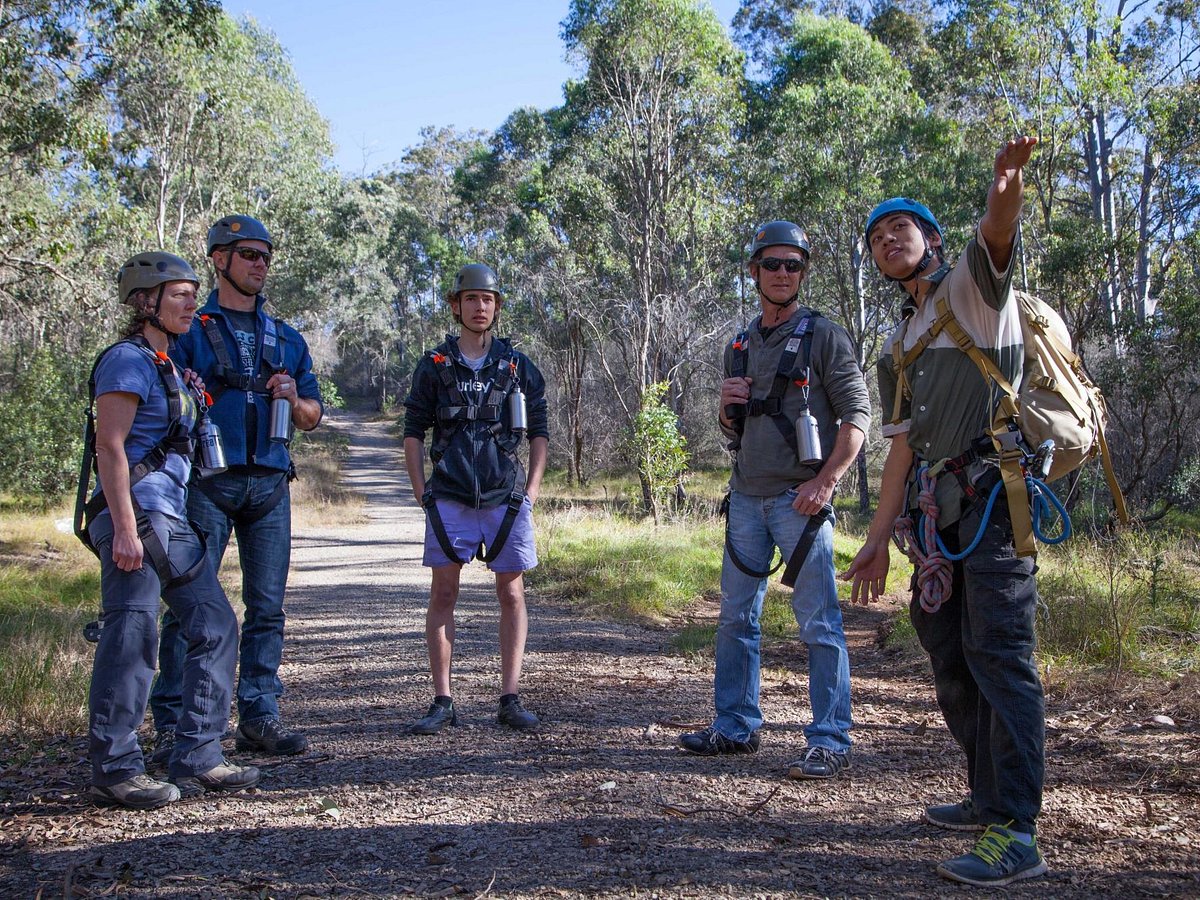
<point>980,645</point>
<point>264,550</point>
<point>756,526</point>
<point>125,657</point>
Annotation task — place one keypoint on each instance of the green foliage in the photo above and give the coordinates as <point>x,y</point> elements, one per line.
<point>658,448</point>
<point>1128,602</point>
<point>41,424</point>
<point>627,570</point>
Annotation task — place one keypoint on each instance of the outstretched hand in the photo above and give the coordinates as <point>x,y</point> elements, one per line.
<point>1011,159</point>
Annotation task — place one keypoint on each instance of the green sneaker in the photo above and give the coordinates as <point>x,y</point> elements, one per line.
<point>999,858</point>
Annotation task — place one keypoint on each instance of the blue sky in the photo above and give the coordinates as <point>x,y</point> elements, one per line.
<point>380,71</point>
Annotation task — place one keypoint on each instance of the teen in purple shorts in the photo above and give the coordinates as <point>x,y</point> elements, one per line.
<point>480,397</point>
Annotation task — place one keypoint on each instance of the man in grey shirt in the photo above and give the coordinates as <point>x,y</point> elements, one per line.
<point>780,496</point>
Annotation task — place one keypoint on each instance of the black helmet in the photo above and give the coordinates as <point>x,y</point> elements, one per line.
<point>231,229</point>
<point>476,277</point>
<point>148,270</point>
<point>779,234</point>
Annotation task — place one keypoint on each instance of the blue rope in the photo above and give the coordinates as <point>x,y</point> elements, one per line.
<point>1040,492</point>
<point>1040,507</point>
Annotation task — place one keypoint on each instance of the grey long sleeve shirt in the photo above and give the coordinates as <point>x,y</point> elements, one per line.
<point>766,465</point>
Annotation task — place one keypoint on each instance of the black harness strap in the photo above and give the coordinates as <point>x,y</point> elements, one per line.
<point>515,500</point>
<point>804,545</point>
<point>737,560</point>
<point>227,375</point>
<point>235,513</point>
<point>772,404</point>
<point>439,528</point>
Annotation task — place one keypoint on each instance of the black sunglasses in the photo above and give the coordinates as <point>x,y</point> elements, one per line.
<point>772,264</point>
<point>249,254</point>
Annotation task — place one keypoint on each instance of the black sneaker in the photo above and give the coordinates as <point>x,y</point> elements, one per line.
<point>436,719</point>
<point>164,746</point>
<point>711,742</point>
<point>955,816</point>
<point>514,715</point>
<point>269,736</point>
<point>819,762</point>
<point>138,792</point>
<point>222,777</point>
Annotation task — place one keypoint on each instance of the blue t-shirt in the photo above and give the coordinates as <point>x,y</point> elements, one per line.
<point>127,368</point>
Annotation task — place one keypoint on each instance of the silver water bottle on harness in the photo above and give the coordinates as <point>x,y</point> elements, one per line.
<point>281,417</point>
<point>808,439</point>
<point>808,433</point>
<point>208,439</point>
<point>518,418</point>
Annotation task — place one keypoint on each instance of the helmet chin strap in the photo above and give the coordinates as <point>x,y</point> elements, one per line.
<point>225,272</point>
<point>929,256</point>
<point>782,305</point>
<point>154,320</point>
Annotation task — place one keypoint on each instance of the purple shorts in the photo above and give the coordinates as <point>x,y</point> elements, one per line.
<point>467,527</point>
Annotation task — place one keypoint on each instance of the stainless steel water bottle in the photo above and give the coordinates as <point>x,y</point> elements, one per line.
<point>281,420</point>
<point>808,439</point>
<point>518,421</point>
<point>212,449</point>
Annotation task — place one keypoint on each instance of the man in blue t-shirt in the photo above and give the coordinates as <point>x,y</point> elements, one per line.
<point>247,359</point>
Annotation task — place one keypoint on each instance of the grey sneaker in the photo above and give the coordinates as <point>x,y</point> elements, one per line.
<point>269,736</point>
<point>138,792</point>
<point>819,762</point>
<point>223,777</point>
<point>955,816</point>
<point>999,858</point>
<point>164,746</point>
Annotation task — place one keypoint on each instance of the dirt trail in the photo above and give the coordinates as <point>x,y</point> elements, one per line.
<point>598,801</point>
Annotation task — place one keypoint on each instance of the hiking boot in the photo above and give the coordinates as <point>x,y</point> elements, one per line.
<point>164,746</point>
<point>269,736</point>
<point>819,762</point>
<point>999,858</point>
<point>436,719</point>
<point>514,715</point>
<point>223,777</point>
<point>138,792</point>
<point>955,816</point>
<point>711,742</point>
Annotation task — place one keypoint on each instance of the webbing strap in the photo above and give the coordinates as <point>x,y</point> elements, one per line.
<point>234,513</point>
<point>733,556</point>
<point>234,377</point>
<point>515,500</point>
<point>804,545</point>
<point>772,404</point>
<point>439,528</point>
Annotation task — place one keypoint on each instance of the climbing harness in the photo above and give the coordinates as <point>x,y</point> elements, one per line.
<point>180,412</point>
<point>924,546</point>
<point>452,416</point>
<point>772,404</point>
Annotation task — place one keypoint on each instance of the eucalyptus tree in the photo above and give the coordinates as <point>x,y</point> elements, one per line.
<point>643,174</point>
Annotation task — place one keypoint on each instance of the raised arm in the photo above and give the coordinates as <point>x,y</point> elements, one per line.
<point>1005,200</point>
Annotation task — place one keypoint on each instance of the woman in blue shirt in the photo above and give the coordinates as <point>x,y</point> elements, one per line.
<point>146,412</point>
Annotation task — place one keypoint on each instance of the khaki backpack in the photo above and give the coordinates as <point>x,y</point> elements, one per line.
<point>1057,401</point>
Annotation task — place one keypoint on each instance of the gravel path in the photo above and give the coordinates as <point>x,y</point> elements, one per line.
<point>598,801</point>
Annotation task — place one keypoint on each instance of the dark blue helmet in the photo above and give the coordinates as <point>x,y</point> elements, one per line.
<point>901,205</point>
<point>231,229</point>
<point>779,233</point>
